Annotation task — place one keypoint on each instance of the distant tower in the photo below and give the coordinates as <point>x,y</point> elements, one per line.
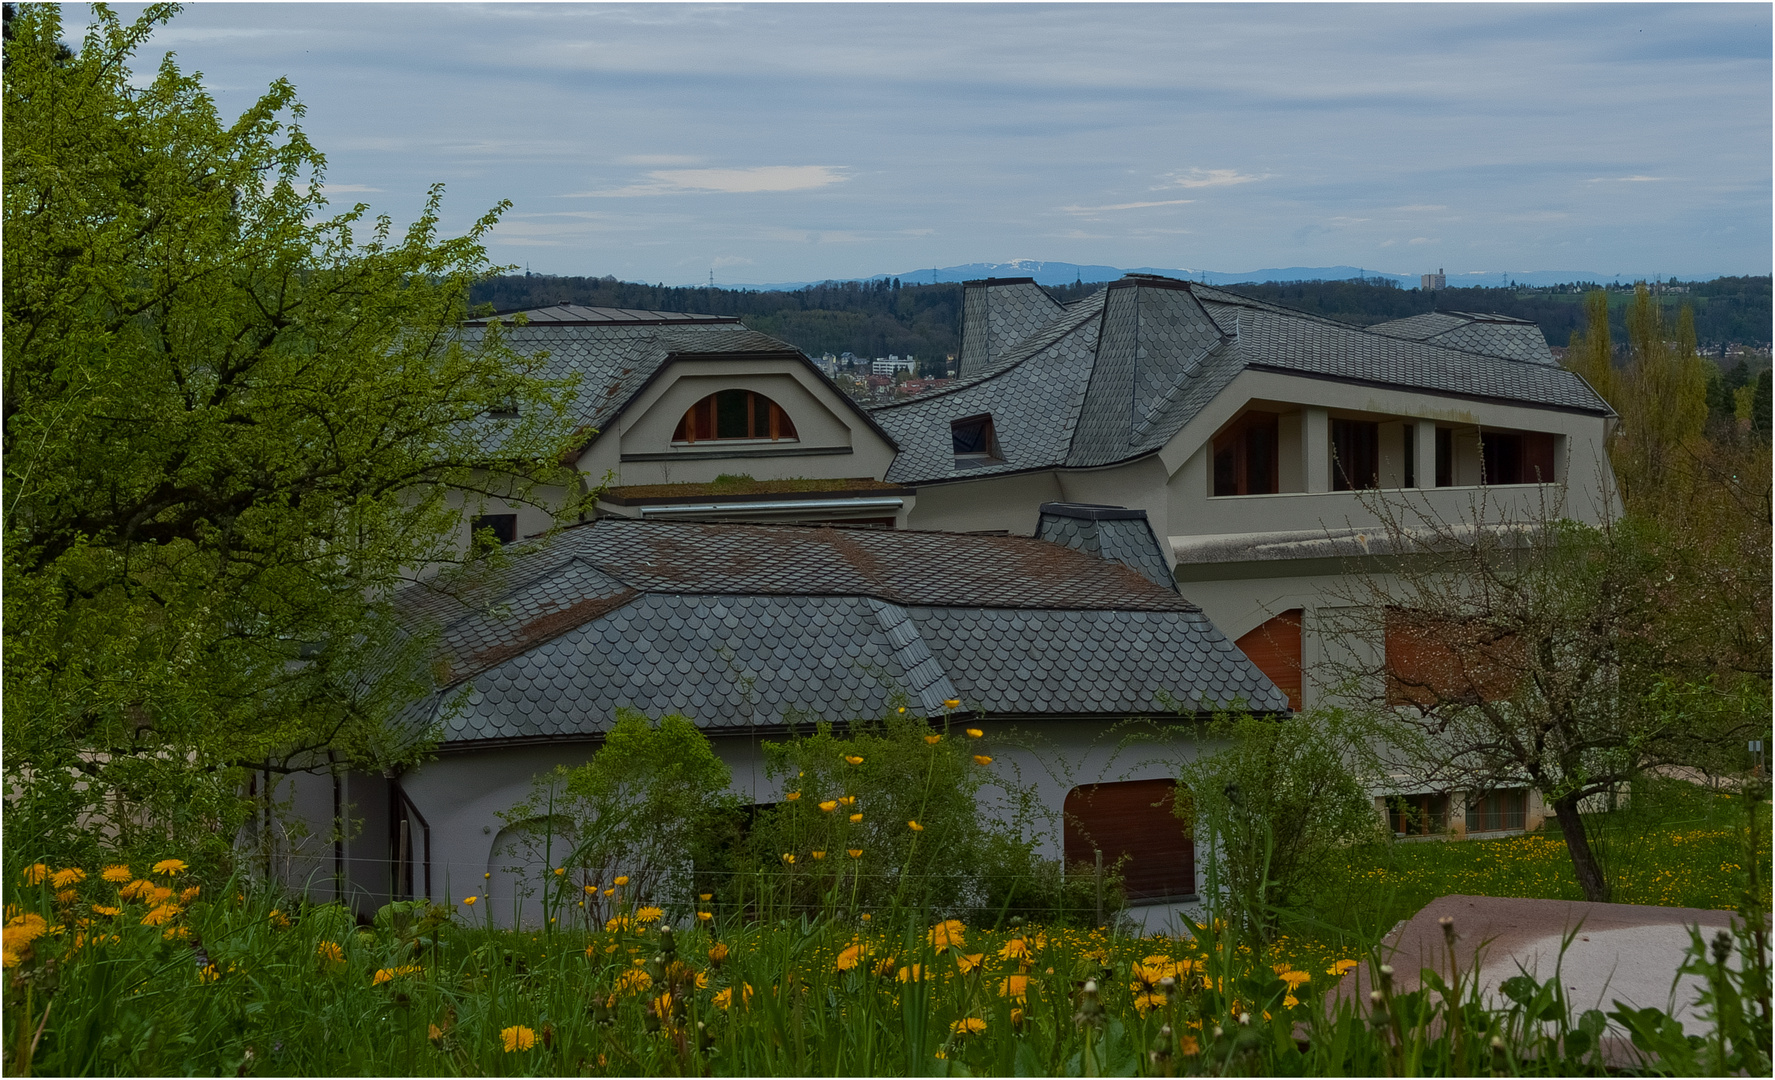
<point>711,277</point>
<point>1431,282</point>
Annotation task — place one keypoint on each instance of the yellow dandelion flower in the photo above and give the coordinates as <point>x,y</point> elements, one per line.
<point>331,953</point>
<point>902,708</point>
<point>620,880</point>
<point>73,875</point>
<point>278,919</point>
<point>853,759</point>
<point>855,853</point>
<point>982,759</point>
<point>851,956</point>
<point>718,953</point>
<point>188,895</point>
<point>560,870</point>
<point>117,874</point>
<point>170,866</point>
<point>515,1038</point>
<point>856,817</point>
<point>163,914</point>
<point>1016,1017</point>
<point>704,916</point>
<point>915,826</point>
<point>788,858</point>
<point>633,981</point>
<point>969,962</point>
<point>1014,948</point>
<point>106,909</point>
<point>949,932</point>
<point>829,805</point>
<point>1015,987</point>
<point>792,795</point>
<point>848,800</point>
<point>1294,979</point>
<point>818,855</point>
<point>975,733</point>
<point>952,703</point>
<point>649,915</point>
<point>66,896</point>
<point>433,1032</point>
<point>911,973</point>
<point>933,739</point>
<point>968,1025</point>
<point>705,897</point>
<point>1147,1001</point>
<point>470,900</point>
<point>37,873</point>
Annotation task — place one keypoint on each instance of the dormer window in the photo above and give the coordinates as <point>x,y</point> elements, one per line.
<point>976,446</point>
<point>734,414</point>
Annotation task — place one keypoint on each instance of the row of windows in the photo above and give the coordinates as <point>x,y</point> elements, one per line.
<point>1427,815</point>
<point>1247,456</point>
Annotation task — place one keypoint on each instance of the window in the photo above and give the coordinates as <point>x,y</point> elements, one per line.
<point>1417,815</point>
<point>976,445</point>
<point>734,414</point>
<point>1275,647</point>
<point>1445,457</point>
<point>1356,454</point>
<point>1245,456</point>
<point>1133,819</point>
<point>1497,811</point>
<point>1434,661</point>
<point>1512,458</point>
<point>504,527</point>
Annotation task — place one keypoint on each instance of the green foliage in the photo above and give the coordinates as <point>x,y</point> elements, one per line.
<point>955,862</point>
<point>236,421</point>
<point>1275,803</point>
<point>651,804</point>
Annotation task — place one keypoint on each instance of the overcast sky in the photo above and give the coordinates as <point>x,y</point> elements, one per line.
<point>794,142</point>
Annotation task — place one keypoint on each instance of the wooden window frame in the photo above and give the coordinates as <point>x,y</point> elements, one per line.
<point>1352,470</point>
<point>765,420</point>
<point>1237,447</point>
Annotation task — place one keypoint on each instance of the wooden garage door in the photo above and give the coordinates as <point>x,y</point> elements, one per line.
<point>1134,818</point>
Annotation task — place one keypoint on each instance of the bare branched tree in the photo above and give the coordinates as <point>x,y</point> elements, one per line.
<point>1518,647</point>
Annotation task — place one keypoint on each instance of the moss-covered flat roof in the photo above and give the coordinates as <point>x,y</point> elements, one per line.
<point>742,486</point>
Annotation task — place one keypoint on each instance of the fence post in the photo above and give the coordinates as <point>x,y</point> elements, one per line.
<point>1099,853</point>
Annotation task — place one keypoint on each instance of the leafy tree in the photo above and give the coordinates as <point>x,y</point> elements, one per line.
<point>232,427</point>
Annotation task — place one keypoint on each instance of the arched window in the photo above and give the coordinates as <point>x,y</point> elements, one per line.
<point>734,414</point>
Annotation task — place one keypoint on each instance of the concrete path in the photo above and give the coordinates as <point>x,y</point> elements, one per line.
<point>1626,952</point>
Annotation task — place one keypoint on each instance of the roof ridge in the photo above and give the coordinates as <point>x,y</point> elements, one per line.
<point>1425,342</point>
<point>1000,367</point>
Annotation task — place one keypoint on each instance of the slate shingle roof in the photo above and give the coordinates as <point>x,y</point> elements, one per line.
<point>1494,335</point>
<point>610,354</point>
<point>736,625</point>
<point>1108,532</point>
<point>1115,377</point>
<point>997,314</point>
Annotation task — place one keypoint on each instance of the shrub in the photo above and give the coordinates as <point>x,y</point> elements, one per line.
<point>1275,803</point>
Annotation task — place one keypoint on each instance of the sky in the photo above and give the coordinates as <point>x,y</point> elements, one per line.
<point>794,142</point>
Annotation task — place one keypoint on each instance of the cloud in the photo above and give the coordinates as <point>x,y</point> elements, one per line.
<point>1626,179</point>
<point>733,260</point>
<point>761,178</point>
<point>659,159</point>
<point>1200,178</point>
<point>1124,206</point>
<point>1423,240</point>
<point>1418,208</point>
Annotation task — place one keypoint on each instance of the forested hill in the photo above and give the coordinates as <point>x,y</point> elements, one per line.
<point>874,319</point>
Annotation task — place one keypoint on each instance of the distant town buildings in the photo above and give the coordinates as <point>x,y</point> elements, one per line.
<point>891,363</point>
<point>1438,280</point>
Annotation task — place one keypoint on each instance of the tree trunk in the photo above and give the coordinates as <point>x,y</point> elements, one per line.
<point>1584,865</point>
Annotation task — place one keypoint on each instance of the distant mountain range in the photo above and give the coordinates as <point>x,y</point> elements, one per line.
<point>1065,273</point>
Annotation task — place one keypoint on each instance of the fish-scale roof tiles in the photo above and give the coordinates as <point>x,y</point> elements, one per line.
<point>1112,380</point>
<point>1494,335</point>
<point>997,315</point>
<point>739,625</point>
